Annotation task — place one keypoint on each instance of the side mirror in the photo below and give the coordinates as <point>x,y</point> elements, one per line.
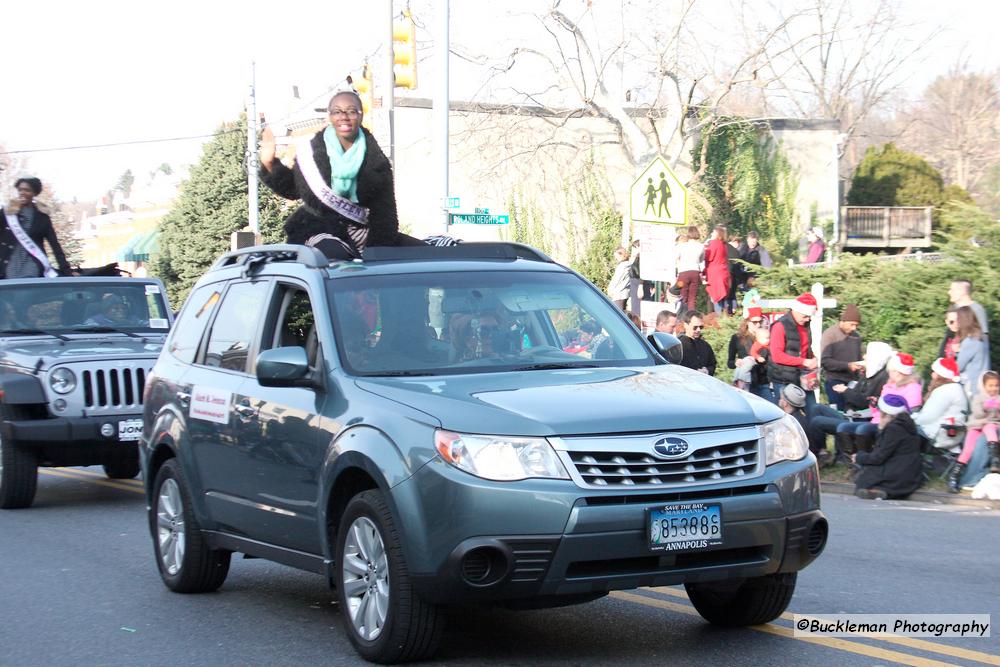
<point>282,367</point>
<point>668,346</point>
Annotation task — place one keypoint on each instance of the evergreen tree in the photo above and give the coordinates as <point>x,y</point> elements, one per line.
<point>888,176</point>
<point>211,206</point>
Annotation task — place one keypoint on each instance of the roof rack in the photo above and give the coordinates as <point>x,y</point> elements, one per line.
<point>262,254</point>
<point>475,250</point>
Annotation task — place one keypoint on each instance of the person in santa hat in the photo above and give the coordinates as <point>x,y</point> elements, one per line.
<point>902,382</point>
<point>942,418</point>
<point>790,352</point>
<point>894,468</point>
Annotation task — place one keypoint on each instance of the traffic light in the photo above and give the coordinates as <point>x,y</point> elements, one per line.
<point>363,87</point>
<point>404,52</point>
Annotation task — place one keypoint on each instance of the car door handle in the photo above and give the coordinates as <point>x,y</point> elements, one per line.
<point>246,412</point>
<point>183,398</point>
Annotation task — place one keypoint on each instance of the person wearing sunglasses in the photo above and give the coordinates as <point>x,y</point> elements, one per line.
<point>698,354</point>
<point>840,351</point>
<point>750,368</point>
<point>345,183</point>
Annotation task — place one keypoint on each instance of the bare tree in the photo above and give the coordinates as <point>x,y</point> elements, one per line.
<point>955,126</point>
<point>841,60</point>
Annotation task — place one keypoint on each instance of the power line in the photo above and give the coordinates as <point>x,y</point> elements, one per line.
<point>120,143</point>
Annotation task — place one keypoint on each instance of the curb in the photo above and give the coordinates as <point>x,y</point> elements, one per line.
<point>932,497</point>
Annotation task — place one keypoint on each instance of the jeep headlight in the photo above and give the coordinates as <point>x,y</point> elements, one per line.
<point>783,440</point>
<point>500,457</point>
<point>62,380</point>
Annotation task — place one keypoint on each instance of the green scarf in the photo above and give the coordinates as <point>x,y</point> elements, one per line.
<point>344,165</point>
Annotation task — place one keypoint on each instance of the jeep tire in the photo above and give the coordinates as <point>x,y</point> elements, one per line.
<point>185,562</point>
<point>18,475</point>
<point>122,469</point>
<point>754,601</point>
<point>384,618</point>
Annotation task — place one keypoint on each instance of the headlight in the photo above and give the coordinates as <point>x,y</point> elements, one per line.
<point>62,380</point>
<point>784,440</point>
<point>500,457</point>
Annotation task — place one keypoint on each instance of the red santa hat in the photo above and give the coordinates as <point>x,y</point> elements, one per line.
<point>752,312</point>
<point>901,363</point>
<point>805,304</point>
<point>946,368</point>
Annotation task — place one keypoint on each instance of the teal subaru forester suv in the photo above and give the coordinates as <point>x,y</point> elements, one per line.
<point>450,425</point>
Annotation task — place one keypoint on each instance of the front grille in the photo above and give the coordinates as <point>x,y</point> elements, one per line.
<point>114,388</point>
<point>531,559</point>
<point>628,469</point>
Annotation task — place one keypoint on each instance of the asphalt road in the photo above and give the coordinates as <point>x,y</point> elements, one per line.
<point>78,586</point>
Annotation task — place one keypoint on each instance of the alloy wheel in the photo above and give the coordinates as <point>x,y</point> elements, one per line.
<point>170,526</point>
<point>366,578</point>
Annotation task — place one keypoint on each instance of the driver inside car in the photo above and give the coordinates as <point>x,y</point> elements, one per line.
<point>482,335</point>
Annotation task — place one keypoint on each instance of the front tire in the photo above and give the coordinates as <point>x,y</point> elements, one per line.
<point>185,562</point>
<point>384,618</point>
<point>125,469</point>
<point>18,476</point>
<point>757,600</point>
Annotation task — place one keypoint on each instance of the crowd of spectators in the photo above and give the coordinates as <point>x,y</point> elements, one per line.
<point>885,425</point>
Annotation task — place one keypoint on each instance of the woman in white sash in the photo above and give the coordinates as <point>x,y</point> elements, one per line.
<point>344,181</point>
<point>24,230</point>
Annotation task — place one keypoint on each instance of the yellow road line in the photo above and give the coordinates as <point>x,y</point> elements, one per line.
<point>829,642</point>
<point>91,473</point>
<point>100,482</point>
<point>911,642</point>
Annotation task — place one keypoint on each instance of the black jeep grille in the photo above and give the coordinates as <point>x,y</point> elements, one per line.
<point>114,388</point>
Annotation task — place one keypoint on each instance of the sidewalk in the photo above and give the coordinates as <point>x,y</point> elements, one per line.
<point>921,496</point>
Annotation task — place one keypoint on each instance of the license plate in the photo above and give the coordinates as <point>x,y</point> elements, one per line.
<point>129,429</point>
<point>685,527</point>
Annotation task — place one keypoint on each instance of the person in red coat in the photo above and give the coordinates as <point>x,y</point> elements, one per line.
<point>717,274</point>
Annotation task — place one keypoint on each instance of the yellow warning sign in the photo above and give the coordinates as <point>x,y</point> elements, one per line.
<point>658,196</point>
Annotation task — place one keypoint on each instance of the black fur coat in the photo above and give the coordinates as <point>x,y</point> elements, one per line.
<point>375,191</point>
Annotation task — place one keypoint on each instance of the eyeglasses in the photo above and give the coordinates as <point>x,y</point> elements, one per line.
<point>756,321</point>
<point>350,113</point>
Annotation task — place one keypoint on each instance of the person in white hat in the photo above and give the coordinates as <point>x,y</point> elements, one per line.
<point>894,468</point>
<point>817,249</point>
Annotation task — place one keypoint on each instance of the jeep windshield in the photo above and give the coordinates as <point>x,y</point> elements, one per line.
<point>490,321</point>
<point>74,306</point>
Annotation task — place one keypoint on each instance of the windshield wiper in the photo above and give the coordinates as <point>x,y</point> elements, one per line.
<point>33,332</point>
<point>551,366</point>
<point>102,329</point>
<point>389,374</point>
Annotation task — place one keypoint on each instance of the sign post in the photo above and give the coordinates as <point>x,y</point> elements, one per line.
<point>658,204</point>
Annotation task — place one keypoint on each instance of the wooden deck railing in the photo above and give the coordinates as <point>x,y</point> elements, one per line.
<point>885,227</point>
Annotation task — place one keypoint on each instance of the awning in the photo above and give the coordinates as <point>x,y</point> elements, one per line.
<point>140,247</point>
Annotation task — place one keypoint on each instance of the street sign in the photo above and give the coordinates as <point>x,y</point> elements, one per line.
<point>657,254</point>
<point>450,202</point>
<point>482,216</point>
<point>658,196</point>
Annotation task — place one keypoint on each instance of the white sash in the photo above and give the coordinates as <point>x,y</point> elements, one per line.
<point>29,245</point>
<point>345,207</point>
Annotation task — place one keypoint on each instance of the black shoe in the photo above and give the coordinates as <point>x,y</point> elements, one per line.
<point>955,477</point>
<point>994,450</point>
<point>871,494</point>
<point>843,444</point>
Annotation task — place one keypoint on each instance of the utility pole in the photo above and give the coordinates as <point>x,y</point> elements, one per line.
<point>441,102</point>
<point>389,99</point>
<point>252,160</point>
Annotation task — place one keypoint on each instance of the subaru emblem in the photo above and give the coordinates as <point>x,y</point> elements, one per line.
<point>670,447</point>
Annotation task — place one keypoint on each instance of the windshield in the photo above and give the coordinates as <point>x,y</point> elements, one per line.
<point>444,323</point>
<point>77,306</point>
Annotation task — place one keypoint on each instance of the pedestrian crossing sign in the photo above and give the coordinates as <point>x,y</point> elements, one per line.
<point>658,196</point>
